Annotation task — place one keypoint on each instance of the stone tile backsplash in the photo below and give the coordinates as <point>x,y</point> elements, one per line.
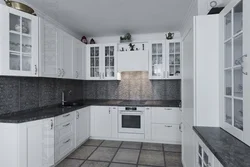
<point>21,93</point>
<point>133,86</point>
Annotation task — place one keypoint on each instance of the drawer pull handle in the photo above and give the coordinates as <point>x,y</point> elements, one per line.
<point>66,125</point>
<point>168,108</point>
<point>168,126</point>
<point>66,115</point>
<point>66,141</point>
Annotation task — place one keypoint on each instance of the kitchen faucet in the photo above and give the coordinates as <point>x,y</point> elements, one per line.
<point>63,97</point>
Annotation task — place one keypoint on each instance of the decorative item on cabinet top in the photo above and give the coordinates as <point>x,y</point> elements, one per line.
<point>126,38</point>
<point>134,46</point>
<point>84,40</point>
<point>169,36</point>
<point>20,6</point>
<point>92,41</point>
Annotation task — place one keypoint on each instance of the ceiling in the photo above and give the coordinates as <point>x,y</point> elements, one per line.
<point>115,17</point>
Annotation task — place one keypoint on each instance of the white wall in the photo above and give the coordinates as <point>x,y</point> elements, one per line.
<point>46,17</point>
<point>135,37</point>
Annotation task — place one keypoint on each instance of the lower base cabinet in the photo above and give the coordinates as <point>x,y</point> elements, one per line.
<point>166,133</point>
<point>27,144</point>
<point>82,125</point>
<point>103,122</point>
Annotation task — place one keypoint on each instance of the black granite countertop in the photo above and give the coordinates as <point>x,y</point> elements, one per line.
<point>56,110</point>
<point>230,151</point>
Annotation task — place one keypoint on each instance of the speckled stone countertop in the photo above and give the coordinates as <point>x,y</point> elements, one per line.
<point>230,151</point>
<point>56,110</point>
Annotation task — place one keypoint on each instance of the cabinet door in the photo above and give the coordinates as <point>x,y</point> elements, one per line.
<point>82,125</point>
<point>67,55</point>
<point>48,142</point>
<point>49,47</point>
<point>110,62</point>
<point>93,62</point>
<point>166,133</point>
<point>101,121</point>
<point>21,44</point>
<point>78,59</point>
<point>204,157</point>
<point>234,73</point>
<point>157,55</point>
<point>173,61</point>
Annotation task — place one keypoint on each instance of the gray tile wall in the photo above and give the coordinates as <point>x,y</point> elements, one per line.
<point>133,86</point>
<point>19,93</point>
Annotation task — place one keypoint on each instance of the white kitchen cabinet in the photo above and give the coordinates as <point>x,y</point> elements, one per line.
<point>29,144</point>
<point>101,62</point>
<point>67,55</point>
<point>235,81</point>
<point>103,122</point>
<point>166,125</point>
<point>204,157</point>
<point>82,125</point>
<point>166,133</point>
<point>165,59</point>
<point>173,60</point>
<point>64,135</point>
<point>18,43</point>
<point>49,50</point>
<point>78,59</point>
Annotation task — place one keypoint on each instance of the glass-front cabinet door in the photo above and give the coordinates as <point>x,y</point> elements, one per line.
<point>94,62</point>
<point>157,54</point>
<point>204,157</point>
<point>22,44</point>
<point>110,65</point>
<point>234,71</point>
<point>174,59</point>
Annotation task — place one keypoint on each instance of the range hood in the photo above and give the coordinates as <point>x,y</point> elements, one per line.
<point>133,61</point>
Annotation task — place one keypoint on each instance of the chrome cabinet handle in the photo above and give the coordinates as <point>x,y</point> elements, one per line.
<point>167,74</point>
<point>66,125</point>
<point>168,126</point>
<point>109,110</point>
<point>168,108</point>
<point>63,72</point>
<point>245,73</point>
<point>59,72</point>
<point>66,115</point>
<point>180,127</point>
<point>66,141</point>
<point>51,125</point>
<point>76,75</point>
<point>102,75</point>
<point>35,69</point>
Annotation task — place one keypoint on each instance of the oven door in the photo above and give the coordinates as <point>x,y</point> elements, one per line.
<point>131,122</point>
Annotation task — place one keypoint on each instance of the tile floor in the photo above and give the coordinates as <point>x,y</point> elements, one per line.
<point>99,153</point>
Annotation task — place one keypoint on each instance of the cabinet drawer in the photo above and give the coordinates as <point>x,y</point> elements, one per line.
<point>64,118</point>
<point>166,115</point>
<point>166,133</point>
<point>64,130</point>
<point>64,147</point>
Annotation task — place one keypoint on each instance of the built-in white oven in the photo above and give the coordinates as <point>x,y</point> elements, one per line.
<point>131,120</point>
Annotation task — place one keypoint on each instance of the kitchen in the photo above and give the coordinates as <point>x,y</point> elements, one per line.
<point>172,93</point>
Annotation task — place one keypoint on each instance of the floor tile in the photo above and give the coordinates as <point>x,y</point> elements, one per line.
<point>172,148</point>
<point>93,142</point>
<point>152,146</point>
<point>121,165</point>
<point>132,145</point>
<point>109,143</point>
<point>173,159</point>
<point>103,154</point>
<point>127,156</point>
<point>95,164</point>
<point>154,158</point>
<point>70,163</point>
<point>82,152</point>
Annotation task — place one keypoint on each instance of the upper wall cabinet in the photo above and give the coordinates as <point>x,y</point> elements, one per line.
<point>101,62</point>
<point>18,43</point>
<point>165,59</point>
<point>235,69</point>
<point>61,55</point>
<point>49,50</point>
